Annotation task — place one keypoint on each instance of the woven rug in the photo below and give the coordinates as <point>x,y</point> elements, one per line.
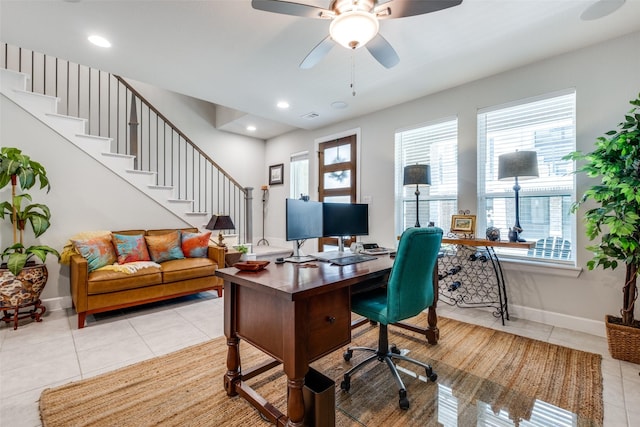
<point>483,375</point>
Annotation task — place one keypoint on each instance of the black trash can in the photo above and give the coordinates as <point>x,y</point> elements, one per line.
<point>319,395</point>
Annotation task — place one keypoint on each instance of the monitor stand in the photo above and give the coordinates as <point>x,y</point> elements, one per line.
<point>296,257</point>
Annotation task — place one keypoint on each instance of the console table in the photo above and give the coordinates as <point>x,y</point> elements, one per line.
<point>470,274</point>
<point>296,313</point>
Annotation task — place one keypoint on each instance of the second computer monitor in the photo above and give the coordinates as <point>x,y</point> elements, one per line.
<point>345,219</point>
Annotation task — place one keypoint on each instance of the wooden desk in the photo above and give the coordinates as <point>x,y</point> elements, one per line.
<point>295,314</point>
<point>470,277</point>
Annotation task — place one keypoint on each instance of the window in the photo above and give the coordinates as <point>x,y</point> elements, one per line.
<point>545,125</point>
<point>299,175</point>
<point>435,144</point>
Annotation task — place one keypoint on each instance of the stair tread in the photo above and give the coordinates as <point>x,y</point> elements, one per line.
<point>124,156</point>
<point>63,116</point>
<point>141,172</point>
<point>37,94</point>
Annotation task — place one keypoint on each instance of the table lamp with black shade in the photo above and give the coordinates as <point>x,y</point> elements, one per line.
<point>417,175</point>
<point>220,222</point>
<point>518,165</point>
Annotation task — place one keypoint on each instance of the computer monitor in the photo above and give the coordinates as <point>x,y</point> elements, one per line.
<point>303,221</point>
<point>345,219</point>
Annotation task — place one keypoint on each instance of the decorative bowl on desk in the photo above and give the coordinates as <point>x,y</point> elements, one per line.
<point>251,265</point>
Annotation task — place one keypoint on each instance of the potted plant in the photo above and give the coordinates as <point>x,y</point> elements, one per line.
<point>20,171</point>
<point>616,220</point>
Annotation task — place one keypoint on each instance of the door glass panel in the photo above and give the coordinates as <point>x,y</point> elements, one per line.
<point>339,154</point>
<point>337,179</point>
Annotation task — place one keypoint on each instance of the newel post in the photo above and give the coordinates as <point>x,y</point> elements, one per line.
<point>249,216</point>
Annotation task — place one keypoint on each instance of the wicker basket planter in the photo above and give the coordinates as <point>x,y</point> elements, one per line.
<point>624,341</point>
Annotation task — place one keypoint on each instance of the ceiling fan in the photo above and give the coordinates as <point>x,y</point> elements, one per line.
<point>354,23</point>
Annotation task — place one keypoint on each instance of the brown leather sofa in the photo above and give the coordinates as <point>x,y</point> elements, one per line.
<point>99,291</point>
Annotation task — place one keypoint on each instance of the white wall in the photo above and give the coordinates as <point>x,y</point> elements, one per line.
<point>86,196</point>
<point>606,77</point>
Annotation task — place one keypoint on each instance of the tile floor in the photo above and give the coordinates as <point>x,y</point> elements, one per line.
<point>55,352</point>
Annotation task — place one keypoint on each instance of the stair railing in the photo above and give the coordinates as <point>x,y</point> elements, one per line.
<point>113,108</point>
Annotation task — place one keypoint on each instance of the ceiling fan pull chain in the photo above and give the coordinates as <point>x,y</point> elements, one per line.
<point>353,72</point>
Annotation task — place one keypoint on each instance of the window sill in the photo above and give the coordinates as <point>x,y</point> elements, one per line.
<point>520,265</point>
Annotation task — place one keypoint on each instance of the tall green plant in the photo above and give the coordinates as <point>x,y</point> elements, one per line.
<point>19,170</point>
<point>616,219</point>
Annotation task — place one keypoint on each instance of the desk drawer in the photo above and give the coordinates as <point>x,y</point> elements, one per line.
<point>329,322</point>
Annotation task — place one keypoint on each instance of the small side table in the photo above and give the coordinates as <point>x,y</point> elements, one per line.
<point>470,274</point>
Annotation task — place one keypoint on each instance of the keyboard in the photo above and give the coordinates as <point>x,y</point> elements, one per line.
<point>352,259</point>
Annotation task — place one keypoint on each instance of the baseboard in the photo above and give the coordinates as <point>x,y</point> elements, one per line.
<point>58,303</point>
<point>580,324</point>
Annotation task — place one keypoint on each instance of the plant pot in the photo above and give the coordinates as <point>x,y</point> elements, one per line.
<point>22,291</point>
<point>624,341</point>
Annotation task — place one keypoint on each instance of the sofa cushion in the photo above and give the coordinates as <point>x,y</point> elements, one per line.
<point>98,251</point>
<point>195,245</point>
<point>187,268</point>
<point>130,248</point>
<point>103,281</point>
<point>164,247</point>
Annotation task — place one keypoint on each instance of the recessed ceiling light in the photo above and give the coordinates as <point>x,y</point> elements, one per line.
<point>99,41</point>
<point>251,128</point>
<point>339,105</point>
<point>600,9</point>
<point>283,105</point>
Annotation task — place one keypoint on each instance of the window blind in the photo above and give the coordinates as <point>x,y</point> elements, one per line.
<point>546,126</point>
<point>435,144</point>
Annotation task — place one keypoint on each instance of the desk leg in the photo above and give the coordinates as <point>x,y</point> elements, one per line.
<point>295,402</point>
<point>233,376</point>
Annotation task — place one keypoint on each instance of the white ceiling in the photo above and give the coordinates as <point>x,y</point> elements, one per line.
<point>227,53</point>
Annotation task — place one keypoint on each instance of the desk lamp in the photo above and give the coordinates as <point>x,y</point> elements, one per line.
<point>518,165</point>
<point>220,222</point>
<point>418,175</point>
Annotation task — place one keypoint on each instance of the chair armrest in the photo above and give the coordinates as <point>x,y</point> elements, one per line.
<point>79,278</point>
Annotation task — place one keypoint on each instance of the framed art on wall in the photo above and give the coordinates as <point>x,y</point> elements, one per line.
<point>276,173</point>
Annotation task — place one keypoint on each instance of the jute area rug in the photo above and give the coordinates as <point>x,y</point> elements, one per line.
<point>482,373</point>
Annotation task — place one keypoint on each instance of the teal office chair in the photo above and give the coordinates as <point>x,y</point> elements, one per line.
<point>408,292</point>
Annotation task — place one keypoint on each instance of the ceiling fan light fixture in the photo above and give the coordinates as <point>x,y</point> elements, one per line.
<point>354,29</point>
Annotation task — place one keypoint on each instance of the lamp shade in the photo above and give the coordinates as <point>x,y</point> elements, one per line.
<point>354,29</point>
<point>417,175</point>
<point>220,222</point>
<point>519,164</point>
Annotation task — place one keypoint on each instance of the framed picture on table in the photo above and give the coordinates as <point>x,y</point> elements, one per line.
<point>276,173</point>
<point>463,224</point>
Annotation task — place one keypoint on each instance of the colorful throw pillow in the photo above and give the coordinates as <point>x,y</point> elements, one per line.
<point>98,251</point>
<point>164,247</point>
<point>130,248</point>
<point>195,245</point>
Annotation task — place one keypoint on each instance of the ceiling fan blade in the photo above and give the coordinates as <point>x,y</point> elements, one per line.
<point>288,8</point>
<point>317,53</point>
<point>402,8</point>
<point>382,51</point>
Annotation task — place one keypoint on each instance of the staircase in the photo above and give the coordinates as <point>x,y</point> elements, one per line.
<point>148,152</point>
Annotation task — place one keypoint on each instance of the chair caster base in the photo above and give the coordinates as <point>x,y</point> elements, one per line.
<point>403,402</point>
<point>345,384</point>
